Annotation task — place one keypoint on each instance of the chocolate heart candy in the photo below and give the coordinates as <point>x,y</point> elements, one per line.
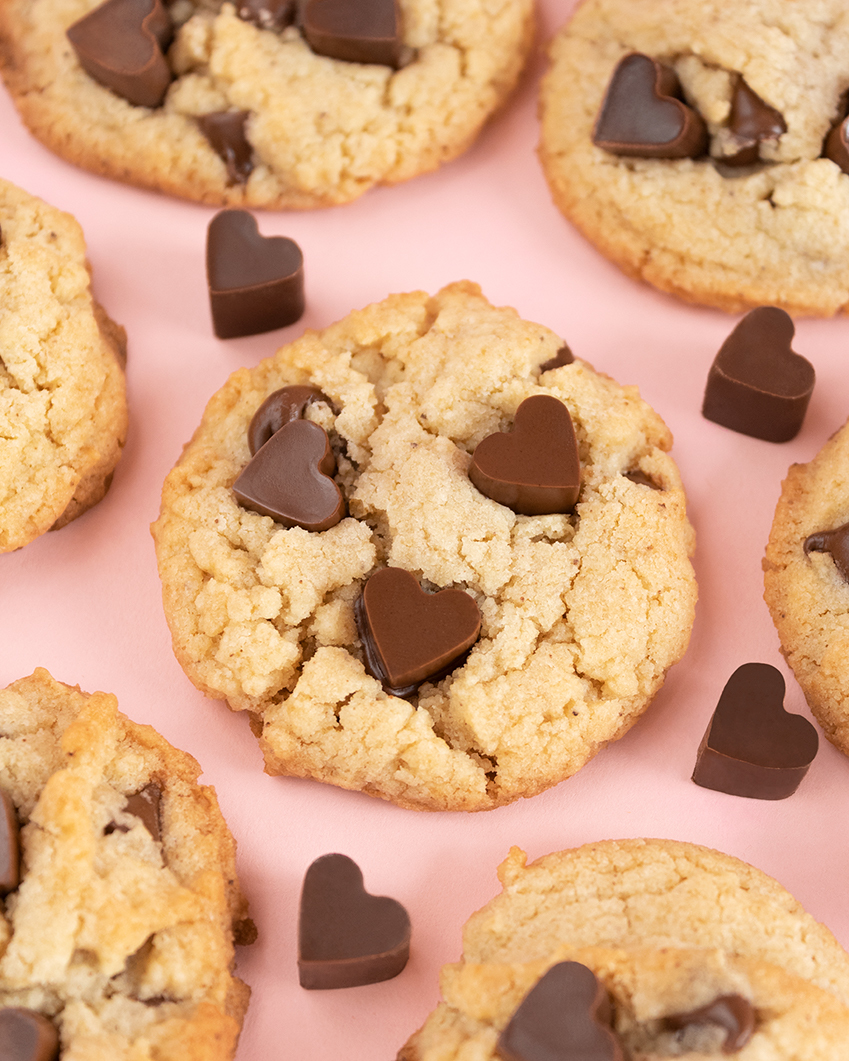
<point>256,283</point>
<point>10,852</point>
<point>752,746</point>
<point>751,123</point>
<point>835,542</point>
<point>289,479</point>
<point>347,937</point>
<point>121,44</point>
<point>642,116</point>
<point>409,635</point>
<point>368,31</point>
<point>225,131</point>
<point>533,469</point>
<point>733,1013</point>
<point>757,384</point>
<point>279,408</point>
<point>564,1017</point>
<point>27,1036</point>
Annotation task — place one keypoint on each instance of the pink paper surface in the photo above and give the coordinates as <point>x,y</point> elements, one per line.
<point>85,602</point>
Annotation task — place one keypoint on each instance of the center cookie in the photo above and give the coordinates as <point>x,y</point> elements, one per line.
<point>519,644</point>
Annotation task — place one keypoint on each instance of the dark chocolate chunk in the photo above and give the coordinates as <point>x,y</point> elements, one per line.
<point>145,805</point>
<point>837,145</point>
<point>565,1016</point>
<point>256,283</point>
<point>752,746</point>
<point>267,14</point>
<point>757,384</point>
<point>563,357</point>
<point>733,1013</point>
<point>533,469</point>
<point>225,131</point>
<point>279,408</point>
<point>245,932</point>
<point>347,937</point>
<point>409,635</point>
<point>751,123</point>
<point>641,479</point>
<point>289,479</point>
<point>121,44</point>
<point>27,1036</point>
<point>835,542</point>
<point>642,114</point>
<point>10,849</point>
<point>368,31</point>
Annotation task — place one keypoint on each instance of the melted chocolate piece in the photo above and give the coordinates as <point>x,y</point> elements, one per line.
<point>751,123</point>
<point>121,44</point>
<point>641,479</point>
<point>835,542</point>
<point>27,1036</point>
<point>289,479</point>
<point>733,1013</point>
<point>565,1016</point>
<point>752,746</point>
<point>145,805</point>
<point>563,357</point>
<point>347,937</point>
<point>836,144</point>
<point>410,636</point>
<point>757,384</point>
<point>533,469</point>
<point>10,849</point>
<point>267,14</point>
<point>256,283</point>
<point>279,408</point>
<point>368,31</point>
<point>643,116</point>
<point>225,131</point>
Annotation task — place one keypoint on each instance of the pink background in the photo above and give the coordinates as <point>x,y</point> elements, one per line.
<point>85,602</point>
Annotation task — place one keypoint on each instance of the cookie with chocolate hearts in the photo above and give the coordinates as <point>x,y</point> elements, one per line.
<point>110,841</point>
<point>447,638</point>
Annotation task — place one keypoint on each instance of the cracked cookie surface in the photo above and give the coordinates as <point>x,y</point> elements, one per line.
<point>141,909</point>
<point>63,413</point>
<point>774,233</point>
<point>582,614</point>
<point>320,131</point>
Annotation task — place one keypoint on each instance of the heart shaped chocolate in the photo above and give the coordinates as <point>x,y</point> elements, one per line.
<point>757,384</point>
<point>752,746</point>
<point>279,408</point>
<point>256,283</point>
<point>409,635</point>
<point>733,1013</point>
<point>835,542</point>
<point>751,123</point>
<point>27,1036</point>
<point>642,116</point>
<point>533,469</point>
<point>564,1017</point>
<point>347,937</point>
<point>10,852</point>
<point>368,31</point>
<point>121,44</point>
<point>225,131</point>
<point>289,479</point>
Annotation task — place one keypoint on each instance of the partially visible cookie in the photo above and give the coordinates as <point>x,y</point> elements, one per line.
<point>759,215</point>
<point>806,582</point>
<point>121,929</point>
<point>253,116</point>
<point>566,622</point>
<point>63,412</point>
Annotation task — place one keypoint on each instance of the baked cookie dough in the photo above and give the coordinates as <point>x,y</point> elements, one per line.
<point>805,591</point>
<point>582,613</point>
<point>319,131</point>
<point>775,232</point>
<point>63,412</point>
<point>141,903</point>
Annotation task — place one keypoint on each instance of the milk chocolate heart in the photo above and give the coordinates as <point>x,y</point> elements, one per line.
<point>835,542</point>
<point>751,123</point>
<point>368,31</point>
<point>347,937</point>
<point>757,384</point>
<point>409,635</point>
<point>533,469</point>
<point>752,746</point>
<point>733,1013</point>
<point>27,1036</point>
<point>564,1017</point>
<point>642,116</point>
<point>10,852</point>
<point>225,131</point>
<point>121,44</point>
<point>255,283</point>
<point>279,408</point>
<point>289,479</point>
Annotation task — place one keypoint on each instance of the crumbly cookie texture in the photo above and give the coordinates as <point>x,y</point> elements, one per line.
<point>63,412</point>
<point>656,894</point>
<point>123,940</point>
<point>582,614</point>
<point>322,131</point>
<point>793,1018</point>
<point>776,233</point>
<point>806,595</point>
